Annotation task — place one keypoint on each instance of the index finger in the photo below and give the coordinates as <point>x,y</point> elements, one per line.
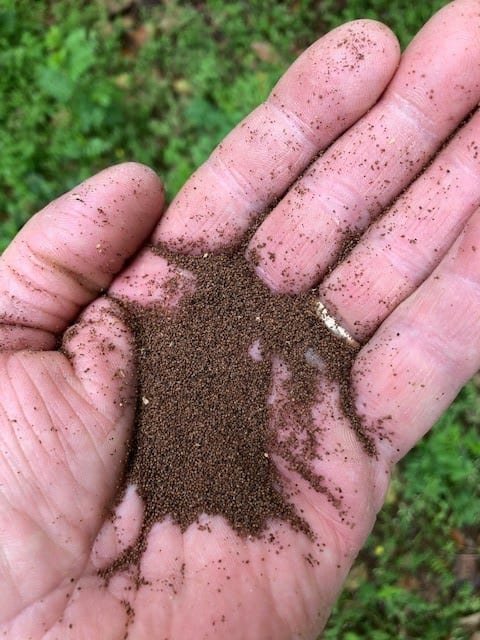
<point>329,87</point>
<point>70,251</point>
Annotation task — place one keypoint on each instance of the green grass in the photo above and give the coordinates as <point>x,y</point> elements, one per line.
<point>79,93</point>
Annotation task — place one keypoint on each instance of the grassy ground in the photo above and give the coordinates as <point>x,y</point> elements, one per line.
<point>87,84</point>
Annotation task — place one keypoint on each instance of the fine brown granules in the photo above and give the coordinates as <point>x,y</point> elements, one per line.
<point>204,433</point>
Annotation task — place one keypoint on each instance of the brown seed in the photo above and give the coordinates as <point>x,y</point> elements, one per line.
<point>204,433</point>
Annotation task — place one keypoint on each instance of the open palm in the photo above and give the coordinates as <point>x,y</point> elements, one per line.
<point>409,291</point>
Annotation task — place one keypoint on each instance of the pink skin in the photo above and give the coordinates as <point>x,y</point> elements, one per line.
<point>65,420</point>
<point>435,87</point>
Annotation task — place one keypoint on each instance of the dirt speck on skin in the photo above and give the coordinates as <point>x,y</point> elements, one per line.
<point>206,439</point>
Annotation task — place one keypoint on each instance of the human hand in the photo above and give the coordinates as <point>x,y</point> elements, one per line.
<point>410,288</point>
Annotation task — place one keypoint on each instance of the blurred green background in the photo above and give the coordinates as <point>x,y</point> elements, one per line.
<point>87,84</point>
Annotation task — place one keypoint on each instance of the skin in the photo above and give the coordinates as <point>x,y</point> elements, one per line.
<point>410,291</point>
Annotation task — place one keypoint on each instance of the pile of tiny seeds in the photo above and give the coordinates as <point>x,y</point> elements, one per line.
<point>205,436</point>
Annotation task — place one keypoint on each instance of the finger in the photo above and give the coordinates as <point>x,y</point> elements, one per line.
<point>324,92</point>
<point>71,250</point>
<point>404,246</point>
<point>435,87</point>
<point>415,364</point>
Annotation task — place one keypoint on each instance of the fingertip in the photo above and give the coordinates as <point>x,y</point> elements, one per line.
<point>368,36</point>
<point>391,41</point>
<point>339,77</point>
<point>136,184</point>
<point>383,34</point>
<point>376,39</point>
<point>149,182</point>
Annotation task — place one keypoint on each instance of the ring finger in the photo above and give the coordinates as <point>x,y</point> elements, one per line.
<point>402,248</point>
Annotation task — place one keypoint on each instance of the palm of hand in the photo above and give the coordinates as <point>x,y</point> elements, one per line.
<point>60,522</point>
<point>65,420</point>
<point>60,510</point>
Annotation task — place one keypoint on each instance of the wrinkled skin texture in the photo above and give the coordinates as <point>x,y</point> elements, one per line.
<point>409,292</point>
